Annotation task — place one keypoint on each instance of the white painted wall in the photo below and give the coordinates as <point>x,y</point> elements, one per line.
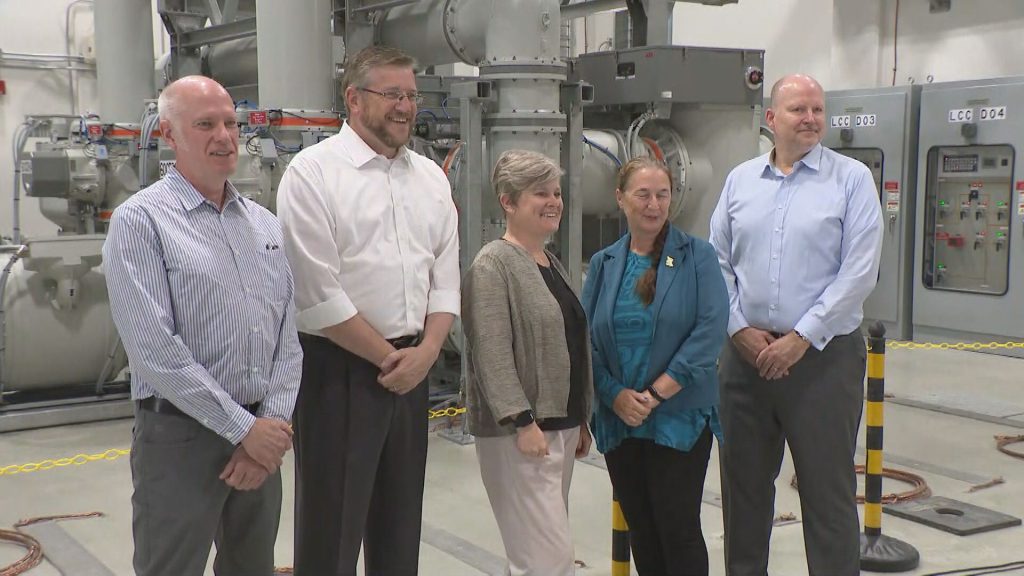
<point>849,43</point>
<point>38,29</point>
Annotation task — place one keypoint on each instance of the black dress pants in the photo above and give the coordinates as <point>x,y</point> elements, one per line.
<point>660,491</point>
<point>360,456</point>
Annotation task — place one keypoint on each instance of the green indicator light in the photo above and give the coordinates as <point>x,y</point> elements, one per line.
<point>1000,203</point>
<point>942,202</point>
<point>1000,234</point>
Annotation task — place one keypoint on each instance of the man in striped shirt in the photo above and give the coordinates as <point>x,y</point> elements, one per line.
<point>201,294</point>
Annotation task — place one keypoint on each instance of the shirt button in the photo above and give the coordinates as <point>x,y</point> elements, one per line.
<point>773,280</point>
<point>246,289</point>
<point>255,328</point>
<point>772,307</point>
<point>775,256</point>
<point>777,229</point>
<point>236,252</point>
<point>255,369</point>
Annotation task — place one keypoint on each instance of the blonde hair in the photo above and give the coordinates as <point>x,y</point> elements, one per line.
<point>359,66</point>
<point>518,170</point>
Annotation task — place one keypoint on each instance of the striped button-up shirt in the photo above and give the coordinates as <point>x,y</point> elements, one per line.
<point>799,251</point>
<point>203,301</point>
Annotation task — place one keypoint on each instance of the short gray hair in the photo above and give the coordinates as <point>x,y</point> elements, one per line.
<point>360,65</point>
<point>518,170</point>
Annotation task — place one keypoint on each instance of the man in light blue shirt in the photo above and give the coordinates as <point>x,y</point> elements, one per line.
<point>201,294</point>
<point>798,233</point>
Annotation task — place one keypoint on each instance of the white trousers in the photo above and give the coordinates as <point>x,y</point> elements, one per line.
<point>530,499</point>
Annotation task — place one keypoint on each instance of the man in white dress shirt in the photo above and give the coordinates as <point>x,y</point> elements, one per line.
<point>371,232</point>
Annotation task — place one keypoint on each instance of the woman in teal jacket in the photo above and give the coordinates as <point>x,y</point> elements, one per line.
<point>658,310</point>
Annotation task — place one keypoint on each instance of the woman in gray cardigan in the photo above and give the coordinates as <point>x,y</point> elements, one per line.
<point>528,382</point>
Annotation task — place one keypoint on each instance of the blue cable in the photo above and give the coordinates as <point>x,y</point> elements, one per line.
<point>444,107</point>
<point>606,151</point>
<point>432,115</point>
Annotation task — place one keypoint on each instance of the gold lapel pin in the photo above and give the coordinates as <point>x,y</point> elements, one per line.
<point>669,261</point>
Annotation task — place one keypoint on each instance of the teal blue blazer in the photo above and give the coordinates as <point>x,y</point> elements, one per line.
<point>691,315</point>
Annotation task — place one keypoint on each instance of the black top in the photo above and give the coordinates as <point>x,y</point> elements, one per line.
<point>575,336</point>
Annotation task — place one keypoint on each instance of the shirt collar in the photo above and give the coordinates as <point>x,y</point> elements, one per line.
<point>812,160</point>
<point>360,152</point>
<point>191,198</point>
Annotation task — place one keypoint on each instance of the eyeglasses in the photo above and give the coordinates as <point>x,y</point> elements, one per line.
<point>395,95</point>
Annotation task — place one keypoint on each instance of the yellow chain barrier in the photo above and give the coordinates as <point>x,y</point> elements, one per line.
<point>76,460</point>
<point>115,453</point>
<point>897,344</point>
<point>450,412</point>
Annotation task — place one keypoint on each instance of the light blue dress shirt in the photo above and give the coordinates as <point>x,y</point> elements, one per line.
<point>799,251</point>
<point>202,300</point>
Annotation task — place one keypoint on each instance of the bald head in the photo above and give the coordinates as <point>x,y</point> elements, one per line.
<point>796,116</point>
<point>175,96</point>
<point>197,121</point>
<point>791,81</point>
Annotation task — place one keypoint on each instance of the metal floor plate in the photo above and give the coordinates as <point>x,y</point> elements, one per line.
<point>951,516</point>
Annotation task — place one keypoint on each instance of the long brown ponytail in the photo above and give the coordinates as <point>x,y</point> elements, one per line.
<point>646,285</point>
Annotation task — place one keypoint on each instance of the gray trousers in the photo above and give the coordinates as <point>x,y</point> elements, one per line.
<point>816,410</point>
<point>181,507</point>
<point>360,458</point>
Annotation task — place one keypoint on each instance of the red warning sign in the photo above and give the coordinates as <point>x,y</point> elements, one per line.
<point>890,185</point>
<point>258,118</point>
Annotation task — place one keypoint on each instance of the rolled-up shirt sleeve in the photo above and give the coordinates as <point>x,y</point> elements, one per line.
<point>140,302</point>
<point>443,295</point>
<point>309,240</point>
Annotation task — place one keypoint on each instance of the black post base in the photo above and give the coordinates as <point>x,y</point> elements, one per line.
<point>884,554</point>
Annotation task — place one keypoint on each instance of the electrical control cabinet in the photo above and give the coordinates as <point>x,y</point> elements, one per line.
<point>970,249</point>
<point>879,128</point>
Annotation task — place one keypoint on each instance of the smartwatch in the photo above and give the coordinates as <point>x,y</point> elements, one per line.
<point>523,419</point>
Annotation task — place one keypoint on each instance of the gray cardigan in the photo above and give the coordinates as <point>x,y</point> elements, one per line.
<point>516,349</point>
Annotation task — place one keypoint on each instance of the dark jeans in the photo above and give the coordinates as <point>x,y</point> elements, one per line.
<point>660,491</point>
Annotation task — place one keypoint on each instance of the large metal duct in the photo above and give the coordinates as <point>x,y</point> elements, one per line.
<point>124,58</point>
<point>294,52</point>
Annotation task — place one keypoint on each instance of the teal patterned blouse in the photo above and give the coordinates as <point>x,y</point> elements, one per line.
<point>634,326</point>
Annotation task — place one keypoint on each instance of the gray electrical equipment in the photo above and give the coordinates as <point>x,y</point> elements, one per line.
<point>879,127</point>
<point>683,105</point>
<point>969,217</point>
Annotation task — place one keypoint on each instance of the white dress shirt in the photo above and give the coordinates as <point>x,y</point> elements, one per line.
<point>369,235</point>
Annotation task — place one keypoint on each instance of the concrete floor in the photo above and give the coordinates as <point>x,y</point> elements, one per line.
<point>951,452</point>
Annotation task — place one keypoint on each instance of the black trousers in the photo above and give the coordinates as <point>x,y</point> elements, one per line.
<point>660,491</point>
<point>360,456</point>
<point>816,410</point>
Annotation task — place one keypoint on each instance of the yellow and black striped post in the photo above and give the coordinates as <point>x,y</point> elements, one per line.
<point>620,540</point>
<point>879,553</point>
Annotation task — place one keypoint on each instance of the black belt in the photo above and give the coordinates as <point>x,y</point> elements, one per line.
<point>405,341</point>
<point>397,343</point>
<point>164,406</point>
<point>777,335</point>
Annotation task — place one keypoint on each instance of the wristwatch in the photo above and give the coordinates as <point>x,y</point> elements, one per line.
<point>523,419</point>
